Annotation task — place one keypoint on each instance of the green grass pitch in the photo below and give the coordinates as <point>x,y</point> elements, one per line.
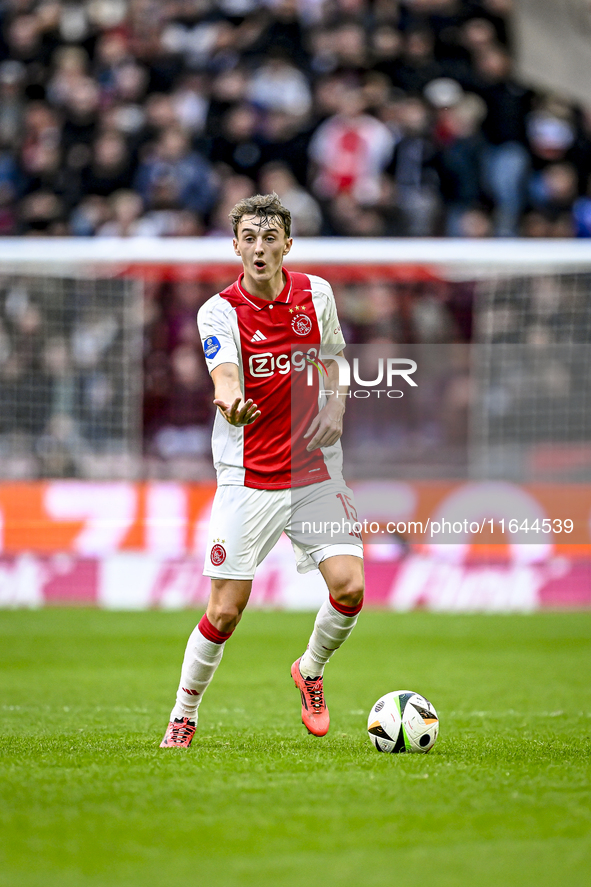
<point>87,799</point>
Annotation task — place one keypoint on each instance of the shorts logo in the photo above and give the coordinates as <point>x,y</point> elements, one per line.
<point>218,555</point>
<point>211,346</point>
<point>301,325</point>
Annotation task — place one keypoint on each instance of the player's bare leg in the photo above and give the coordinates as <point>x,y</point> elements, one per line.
<point>203,654</point>
<point>334,623</point>
<point>227,601</point>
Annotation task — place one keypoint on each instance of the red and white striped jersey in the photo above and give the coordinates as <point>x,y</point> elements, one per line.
<point>273,344</point>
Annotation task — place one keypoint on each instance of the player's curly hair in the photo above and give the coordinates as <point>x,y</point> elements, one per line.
<point>267,206</point>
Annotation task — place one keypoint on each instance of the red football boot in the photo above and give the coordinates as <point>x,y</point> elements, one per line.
<point>315,715</point>
<point>179,733</point>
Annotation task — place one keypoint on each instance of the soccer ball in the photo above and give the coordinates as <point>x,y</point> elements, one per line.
<point>403,721</point>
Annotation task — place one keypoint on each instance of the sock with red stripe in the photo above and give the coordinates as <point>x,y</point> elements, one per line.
<point>334,623</point>
<point>203,654</point>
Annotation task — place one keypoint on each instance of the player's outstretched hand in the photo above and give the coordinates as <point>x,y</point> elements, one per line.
<point>327,427</point>
<point>239,413</point>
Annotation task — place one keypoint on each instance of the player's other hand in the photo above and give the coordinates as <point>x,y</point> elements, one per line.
<point>327,427</point>
<point>238,413</point>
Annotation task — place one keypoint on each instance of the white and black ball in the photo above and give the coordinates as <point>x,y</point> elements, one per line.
<point>403,721</point>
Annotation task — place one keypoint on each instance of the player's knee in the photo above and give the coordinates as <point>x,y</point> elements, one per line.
<point>224,616</point>
<point>227,600</point>
<point>348,589</point>
<point>350,597</point>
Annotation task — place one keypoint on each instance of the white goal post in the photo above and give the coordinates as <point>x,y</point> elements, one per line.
<point>448,257</point>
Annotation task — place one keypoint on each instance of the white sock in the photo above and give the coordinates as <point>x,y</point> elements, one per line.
<point>202,657</point>
<point>331,629</point>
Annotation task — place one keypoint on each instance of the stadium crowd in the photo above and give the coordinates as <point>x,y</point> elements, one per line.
<point>368,117</point>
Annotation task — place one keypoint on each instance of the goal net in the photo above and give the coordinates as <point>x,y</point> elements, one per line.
<point>70,368</point>
<point>101,376</point>
<point>531,419</point>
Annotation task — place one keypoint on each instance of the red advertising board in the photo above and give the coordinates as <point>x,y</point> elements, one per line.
<point>446,546</point>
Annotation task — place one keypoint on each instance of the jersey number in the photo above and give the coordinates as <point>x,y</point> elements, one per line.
<point>350,511</point>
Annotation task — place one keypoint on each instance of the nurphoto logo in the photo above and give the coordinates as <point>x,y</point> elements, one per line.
<point>388,371</point>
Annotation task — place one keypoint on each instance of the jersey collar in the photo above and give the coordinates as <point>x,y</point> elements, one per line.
<point>257,303</point>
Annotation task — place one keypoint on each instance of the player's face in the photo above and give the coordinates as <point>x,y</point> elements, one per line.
<point>262,244</point>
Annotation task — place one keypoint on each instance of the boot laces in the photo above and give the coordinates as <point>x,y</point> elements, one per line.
<point>181,731</point>
<point>315,692</point>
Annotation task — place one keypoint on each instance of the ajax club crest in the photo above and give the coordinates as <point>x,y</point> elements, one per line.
<point>218,555</point>
<point>301,324</point>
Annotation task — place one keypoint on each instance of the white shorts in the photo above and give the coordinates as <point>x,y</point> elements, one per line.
<point>246,523</point>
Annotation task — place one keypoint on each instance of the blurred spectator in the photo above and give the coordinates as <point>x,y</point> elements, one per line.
<point>386,47</point>
<point>279,86</point>
<point>87,218</point>
<point>535,224</point>
<point>279,26</point>
<point>460,159</point>
<point>11,184</point>
<point>414,171</point>
<point>44,171</point>
<point>306,216</point>
<point>285,138</point>
<point>417,65</point>
<point>475,222</point>
<point>42,212</point>
<point>111,59</point>
<point>227,90</point>
<point>350,150</point>
<point>238,146</point>
<point>12,77</point>
<point>174,173</point>
<point>71,65</point>
<point>349,47</point>
<point>191,103</point>
<point>550,132</point>
<point>233,189</point>
<point>126,208</point>
<point>110,168</point>
<point>582,214</point>
<point>553,191</point>
<point>81,117</point>
<point>478,34</point>
<point>506,159</point>
<point>23,36</point>
<point>41,126</point>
